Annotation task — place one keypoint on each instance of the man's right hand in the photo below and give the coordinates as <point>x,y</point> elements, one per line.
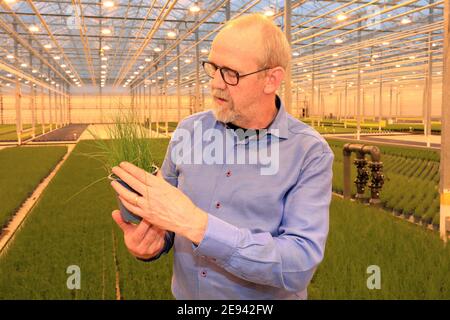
<point>144,240</point>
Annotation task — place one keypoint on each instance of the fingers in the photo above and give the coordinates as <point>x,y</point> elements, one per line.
<point>152,243</point>
<point>141,231</point>
<point>129,179</point>
<point>132,197</point>
<point>147,240</point>
<point>140,174</point>
<point>134,209</point>
<point>126,227</point>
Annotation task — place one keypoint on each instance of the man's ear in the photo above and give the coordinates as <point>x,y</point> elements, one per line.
<point>273,80</point>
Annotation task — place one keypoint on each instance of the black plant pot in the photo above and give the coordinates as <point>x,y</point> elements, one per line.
<point>126,214</point>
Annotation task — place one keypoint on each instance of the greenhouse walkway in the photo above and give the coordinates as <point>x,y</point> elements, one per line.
<point>400,139</point>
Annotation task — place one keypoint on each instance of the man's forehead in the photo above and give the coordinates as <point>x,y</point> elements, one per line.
<point>239,47</point>
<point>238,37</point>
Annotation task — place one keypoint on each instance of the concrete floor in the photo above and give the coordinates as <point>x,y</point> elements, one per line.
<point>101,131</point>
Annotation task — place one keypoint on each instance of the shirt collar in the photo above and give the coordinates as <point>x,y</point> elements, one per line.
<point>279,126</point>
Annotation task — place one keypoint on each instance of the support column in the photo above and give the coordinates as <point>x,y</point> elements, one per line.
<point>33,101</point>
<point>429,92</point>
<point>139,103</point>
<point>50,116</point>
<point>150,109</point>
<point>145,103</point>
<point>390,102</point>
<point>166,106</point>
<point>288,77</point>
<point>345,100</point>
<point>18,97</point>
<point>228,10</point>
<point>197,75</point>
<point>445,134</point>
<point>380,103</point>
<point>43,111</point>
<point>18,93</point>
<point>33,109</point>
<point>179,82</point>
<point>55,109</point>
<point>69,106</point>
<point>1,105</point>
<point>339,106</point>
<point>158,99</point>
<point>358,93</point>
<point>61,105</point>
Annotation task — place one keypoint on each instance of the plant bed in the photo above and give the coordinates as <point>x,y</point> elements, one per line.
<point>411,180</point>
<point>58,234</point>
<point>21,171</point>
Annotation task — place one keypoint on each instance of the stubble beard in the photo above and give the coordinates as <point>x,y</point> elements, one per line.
<point>225,113</point>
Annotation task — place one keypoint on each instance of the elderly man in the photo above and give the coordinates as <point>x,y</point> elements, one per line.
<point>238,232</point>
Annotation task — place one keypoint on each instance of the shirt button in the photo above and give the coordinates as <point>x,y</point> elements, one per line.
<point>228,174</point>
<point>217,205</point>
<point>203,273</point>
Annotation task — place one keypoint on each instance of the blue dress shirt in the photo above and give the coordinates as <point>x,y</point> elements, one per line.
<point>266,233</point>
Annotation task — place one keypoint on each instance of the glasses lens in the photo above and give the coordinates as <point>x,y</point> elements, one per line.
<point>209,68</point>
<point>230,76</point>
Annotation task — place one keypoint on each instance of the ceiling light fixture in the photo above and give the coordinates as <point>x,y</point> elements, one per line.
<point>33,29</point>
<point>269,12</point>
<point>108,4</point>
<point>194,8</point>
<point>341,17</point>
<point>106,31</point>
<point>405,20</point>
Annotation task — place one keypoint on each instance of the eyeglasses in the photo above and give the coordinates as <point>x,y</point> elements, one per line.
<point>230,76</point>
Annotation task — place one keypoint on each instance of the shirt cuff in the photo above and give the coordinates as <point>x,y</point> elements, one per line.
<point>219,242</point>
<point>168,242</point>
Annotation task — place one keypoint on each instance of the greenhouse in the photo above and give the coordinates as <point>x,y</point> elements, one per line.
<point>86,86</point>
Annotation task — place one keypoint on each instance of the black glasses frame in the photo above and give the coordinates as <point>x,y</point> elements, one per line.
<point>223,69</point>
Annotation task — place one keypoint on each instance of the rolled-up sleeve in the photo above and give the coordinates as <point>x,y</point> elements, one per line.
<point>288,260</point>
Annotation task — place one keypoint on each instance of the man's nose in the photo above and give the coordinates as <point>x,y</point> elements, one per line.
<point>217,81</point>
